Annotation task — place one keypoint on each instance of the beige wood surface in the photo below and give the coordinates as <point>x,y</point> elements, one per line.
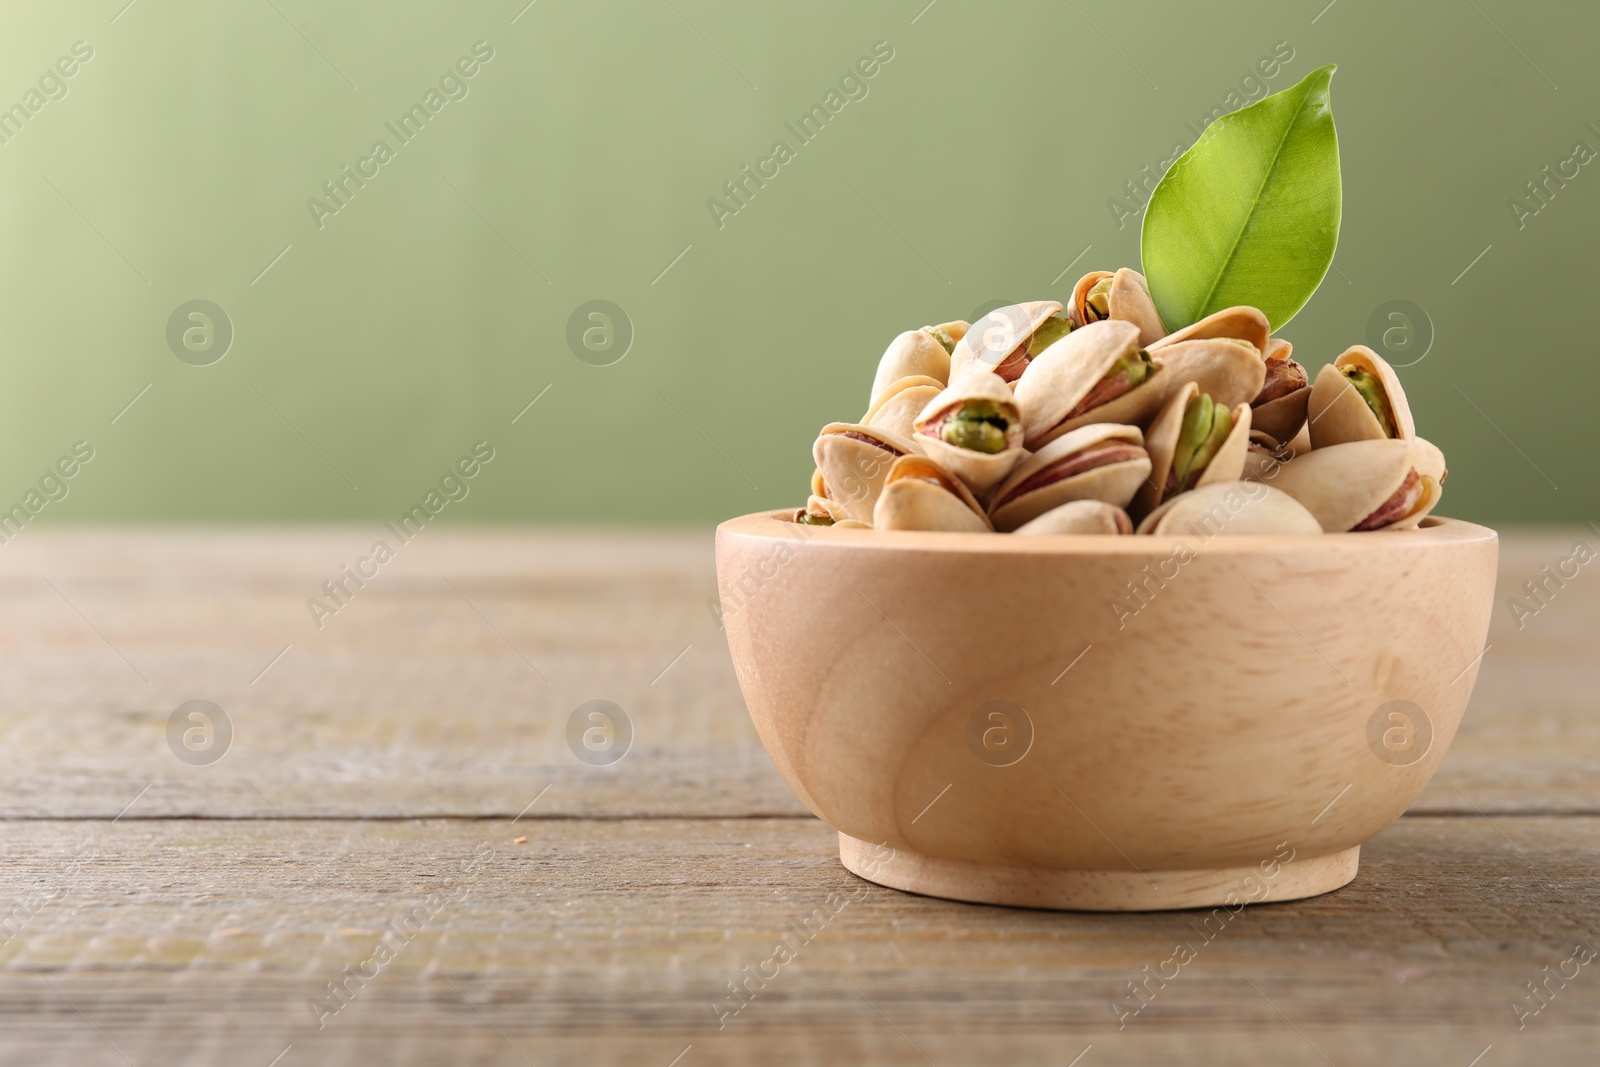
<point>153,912</point>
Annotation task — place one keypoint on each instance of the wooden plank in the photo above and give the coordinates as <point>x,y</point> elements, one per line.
<point>426,694</point>
<point>601,942</point>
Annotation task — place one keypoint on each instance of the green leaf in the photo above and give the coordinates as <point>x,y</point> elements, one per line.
<point>1250,214</point>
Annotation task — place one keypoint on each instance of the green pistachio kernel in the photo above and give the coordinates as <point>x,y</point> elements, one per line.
<point>978,426</point>
<point>811,518</point>
<point>1371,391</point>
<point>1098,302</point>
<point>1136,365</point>
<point>947,342</point>
<point>1206,425</point>
<point>1052,330</point>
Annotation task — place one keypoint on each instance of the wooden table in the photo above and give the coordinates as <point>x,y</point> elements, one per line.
<point>367,825</point>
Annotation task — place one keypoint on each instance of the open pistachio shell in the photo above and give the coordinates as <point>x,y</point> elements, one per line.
<point>818,486</point>
<point>1226,464</point>
<point>915,353</point>
<point>1061,376</point>
<point>1339,414</point>
<point>1230,508</point>
<point>1429,461</point>
<point>820,511</point>
<point>898,406</point>
<point>980,470</point>
<point>919,494</point>
<point>1058,381</point>
<point>1127,301</point>
<point>1104,461</point>
<point>854,460</point>
<point>1300,443</point>
<point>1344,484</point>
<point>1079,517</point>
<point>1264,455</point>
<point>990,340</point>
<point>1284,414</point>
<point>1242,323</point>
<point>1230,372</point>
<point>1282,417</point>
<point>954,330</point>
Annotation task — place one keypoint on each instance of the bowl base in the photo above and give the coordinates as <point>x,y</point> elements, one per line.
<point>1036,887</point>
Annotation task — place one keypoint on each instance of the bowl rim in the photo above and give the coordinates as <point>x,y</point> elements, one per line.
<point>778,526</point>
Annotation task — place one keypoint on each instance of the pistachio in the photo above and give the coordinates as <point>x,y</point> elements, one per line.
<point>973,429</point>
<point>977,425</point>
<point>1097,305</point>
<point>1090,418</point>
<point>1230,508</point>
<point>1361,485</point>
<point>1195,439</point>
<point>1358,397</point>
<point>1205,426</point>
<point>1103,461</point>
<point>919,494</point>
<point>854,459</point>
<point>1371,391</point>
<point>999,341</point>
<point>1049,332</point>
<point>942,335</point>
<point>1123,295</point>
<point>1052,330</point>
<point>1126,374</point>
<point>913,354</point>
<point>1246,325</point>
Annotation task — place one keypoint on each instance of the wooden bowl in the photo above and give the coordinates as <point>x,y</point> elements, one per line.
<point>1105,723</point>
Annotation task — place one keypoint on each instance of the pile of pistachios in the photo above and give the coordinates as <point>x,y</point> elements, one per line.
<point>1092,418</point>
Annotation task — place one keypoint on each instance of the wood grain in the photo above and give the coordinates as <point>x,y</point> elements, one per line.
<point>1203,732</point>
<point>194,927</point>
<point>410,702</point>
<point>608,942</point>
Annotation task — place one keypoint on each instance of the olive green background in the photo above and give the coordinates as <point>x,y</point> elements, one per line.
<point>434,307</point>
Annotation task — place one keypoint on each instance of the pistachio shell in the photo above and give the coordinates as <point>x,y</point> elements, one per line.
<point>1128,301</point>
<point>992,338</point>
<point>914,353</point>
<point>821,505</point>
<point>1114,483</point>
<point>818,486</point>
<point>1231,373</point>
<point>1337,412</point>
<point>1259,467</point>
<point>980,471</point>
<point>1283,417</point>
<point>1063,374</point>
<point>853,470</point>
<point>957,329</point>
<point>1300,443</point>
<point>1079,517</point>
<point>1429,500</point>
<point>1162,444</point>
<point>1342,484</point>
<point>1278,348</point>
<point>1230,508</point>
<point>919,494</point>
<point>897,407</point>
<point>1242,323</point>
<point>1077,306</point>
<point>1429,461</point>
